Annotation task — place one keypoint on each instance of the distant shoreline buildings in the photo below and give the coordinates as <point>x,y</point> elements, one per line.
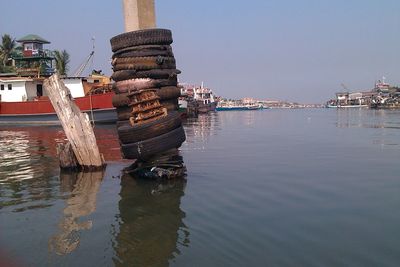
<point>383,95</point>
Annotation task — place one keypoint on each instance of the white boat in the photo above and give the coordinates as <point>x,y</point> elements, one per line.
<point>202,95</point>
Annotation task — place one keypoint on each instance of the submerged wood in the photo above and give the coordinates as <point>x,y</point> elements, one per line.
<point>67,156</point>
<point>76,125</point>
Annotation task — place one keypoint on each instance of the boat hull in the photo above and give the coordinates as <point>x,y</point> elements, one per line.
<point>98,107</point>
<point>97,116</point>
<point>204,108</point>
<point>347,106</point>
<point>238,108</point>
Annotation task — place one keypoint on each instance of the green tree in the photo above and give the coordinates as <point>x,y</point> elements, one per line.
<point>7,47</point>
<point>62,61</point>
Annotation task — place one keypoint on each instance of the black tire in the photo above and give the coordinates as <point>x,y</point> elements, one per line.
<point>120,100</point>
<point>142,37</point>
<point>150,147</point>
<point>141,84</point>
<point>144,51</point>
<point>156,60</point>
<point>152,74</point>
<point>143,63</point>
<point>146,130</point>
<point>168,92</point>
<point>124,113</point>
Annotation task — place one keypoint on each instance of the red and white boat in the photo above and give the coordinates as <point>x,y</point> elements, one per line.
<point>23,99</point>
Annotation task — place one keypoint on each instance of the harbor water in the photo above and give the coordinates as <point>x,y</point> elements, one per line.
<point>280,187</point>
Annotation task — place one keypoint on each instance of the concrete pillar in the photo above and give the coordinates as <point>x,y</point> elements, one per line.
<point>139,15</point>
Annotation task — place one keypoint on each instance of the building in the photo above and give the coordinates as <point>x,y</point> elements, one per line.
<point>35,60</point>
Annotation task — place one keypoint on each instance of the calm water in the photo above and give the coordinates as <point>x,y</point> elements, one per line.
<point>264,188</point>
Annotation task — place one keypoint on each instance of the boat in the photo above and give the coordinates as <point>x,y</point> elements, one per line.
<point>386,96</point>
<point>188,107</point>
<point>350,100</point>
<point>23,99</point>
<point>232,106</point>
<point>244,104</point>
<point>203,96</point>
<point>346,106</point>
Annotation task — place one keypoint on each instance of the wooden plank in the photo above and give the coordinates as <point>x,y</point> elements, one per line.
<point>76,125</point>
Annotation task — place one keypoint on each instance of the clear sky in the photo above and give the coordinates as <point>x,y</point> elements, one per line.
<point>296,50</point>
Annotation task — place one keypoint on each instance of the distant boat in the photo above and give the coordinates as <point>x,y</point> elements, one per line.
<point>203,96</point>
<point>231,105</point>
<point>347,106</point>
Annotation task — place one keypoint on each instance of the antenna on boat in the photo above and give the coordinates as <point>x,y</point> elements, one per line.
<point>345,87</point>
<point>84,64</point>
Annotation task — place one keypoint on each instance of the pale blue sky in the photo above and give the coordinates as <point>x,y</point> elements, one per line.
<point>271,49</point>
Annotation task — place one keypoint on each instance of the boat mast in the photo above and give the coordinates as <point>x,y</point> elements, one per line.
<point>83,66</point>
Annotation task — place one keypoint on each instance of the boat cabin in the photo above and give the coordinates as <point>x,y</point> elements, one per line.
<point>18,89</point>
<point>35,60</point>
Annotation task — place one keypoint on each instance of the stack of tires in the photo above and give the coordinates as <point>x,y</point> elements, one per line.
<point>146,93</point>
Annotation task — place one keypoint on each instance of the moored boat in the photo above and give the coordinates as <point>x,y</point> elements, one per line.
<point>350,100</point>
<point>203,96</point>
<point>23,99</point>
<point>227,105</point>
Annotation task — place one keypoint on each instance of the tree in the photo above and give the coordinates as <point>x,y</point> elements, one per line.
<point>7,47</point>
<point>62,61</point>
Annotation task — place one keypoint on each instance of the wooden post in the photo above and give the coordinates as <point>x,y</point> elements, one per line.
<point>139,15</point>
<point>76,125</point>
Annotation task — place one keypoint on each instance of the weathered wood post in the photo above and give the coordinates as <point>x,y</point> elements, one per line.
<point>76,126</point>
<point>139,15</point>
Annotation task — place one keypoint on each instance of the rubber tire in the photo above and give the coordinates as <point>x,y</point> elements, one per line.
<point>150,147</point>
<point>143,131</point>
<point>120,100</point>
<point>141,37</point>
<point>168,92</point>
<point>152,74</point>
<point>131,85</point>
<point>144,51</point>
<point>124,113</point>
<point>143,63</point>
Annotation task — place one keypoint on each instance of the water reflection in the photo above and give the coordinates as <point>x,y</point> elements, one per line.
<point>83,187</point>
<point>151,222</point>
<point>368,118</point>
<point>29,164</point>
<point>198,130</point>
<point>385,122</point>
<point>24,179</point>
<point>22,151</point>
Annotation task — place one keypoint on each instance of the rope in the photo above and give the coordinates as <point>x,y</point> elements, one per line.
<point>91,110</point>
